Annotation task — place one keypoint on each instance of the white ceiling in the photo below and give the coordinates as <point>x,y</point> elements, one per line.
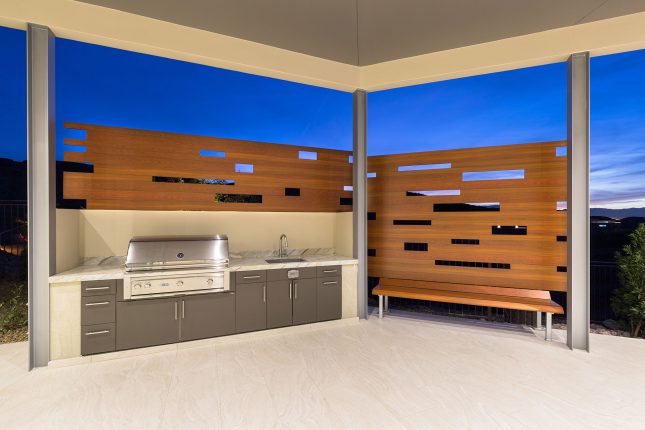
<point>365,32</point>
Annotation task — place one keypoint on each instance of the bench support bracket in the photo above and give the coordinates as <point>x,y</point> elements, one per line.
<point>538,320</point>
<point>380,306</point>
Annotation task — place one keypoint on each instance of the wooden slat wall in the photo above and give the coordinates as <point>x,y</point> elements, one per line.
<point>125,160</point>
<point>530,202</point>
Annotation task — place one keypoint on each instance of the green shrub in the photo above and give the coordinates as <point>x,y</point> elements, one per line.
<point>13,311</point>
<point>628,301</point>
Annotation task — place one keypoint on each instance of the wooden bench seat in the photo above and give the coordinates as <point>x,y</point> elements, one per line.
<point>480,295</point>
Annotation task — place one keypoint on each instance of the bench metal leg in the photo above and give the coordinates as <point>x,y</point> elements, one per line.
<point>387,304</point>
<point>547,332</point>
<point>538,323</point>
<point>380,306</point>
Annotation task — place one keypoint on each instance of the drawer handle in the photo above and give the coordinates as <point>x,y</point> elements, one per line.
<point>96,288</point>
<point>97,304</point>
<point>330,282</point>
<point>94,333</point>
<point>252,277</point>
<point>330,271</point>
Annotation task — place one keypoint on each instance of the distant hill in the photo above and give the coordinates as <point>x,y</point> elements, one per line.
<point>618,213</point>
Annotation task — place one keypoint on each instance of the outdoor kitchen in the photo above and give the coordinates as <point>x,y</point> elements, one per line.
<point>147,262</point>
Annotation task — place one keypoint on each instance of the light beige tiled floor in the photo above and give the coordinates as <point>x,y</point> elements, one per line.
<point>396,373</point>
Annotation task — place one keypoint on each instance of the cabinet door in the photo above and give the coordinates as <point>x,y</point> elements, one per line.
<point>330,306</point>
<point>304,301</point>
<point>250,307</point>
<point>207,315</point>
<point>149,322</point>
<point>279,294</point>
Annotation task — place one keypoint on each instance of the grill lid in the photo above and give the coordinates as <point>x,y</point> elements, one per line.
<point>173,252</point>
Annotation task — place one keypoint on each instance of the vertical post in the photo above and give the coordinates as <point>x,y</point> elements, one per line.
<point>359,167</point>
<point>578,201</point>
<point>41,185</point>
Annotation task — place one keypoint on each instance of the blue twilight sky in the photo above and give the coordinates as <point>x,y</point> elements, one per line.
<point>113,87</point>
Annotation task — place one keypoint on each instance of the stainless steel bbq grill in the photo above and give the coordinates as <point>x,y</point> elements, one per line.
<point>162,266</point>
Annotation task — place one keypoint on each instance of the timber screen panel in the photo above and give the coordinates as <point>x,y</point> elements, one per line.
<point>529,255</point>
<point>150,170</point>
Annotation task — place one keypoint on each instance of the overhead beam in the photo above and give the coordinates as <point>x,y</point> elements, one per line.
<point>41,186</point>
<point>108,27</point>
<point>359,187</point>
<point>578,201</point>
<point>609,36</point>
<point>94,24</point>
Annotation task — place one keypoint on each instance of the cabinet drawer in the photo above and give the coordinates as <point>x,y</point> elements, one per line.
<point>98,288</point>
<point>283,274</point>
<point>97,309</point>
<point>325,271</point>
<point>251,276</point>
<point>97,338</point>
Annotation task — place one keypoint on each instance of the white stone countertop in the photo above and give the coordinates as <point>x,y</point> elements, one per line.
<point>113,267</point>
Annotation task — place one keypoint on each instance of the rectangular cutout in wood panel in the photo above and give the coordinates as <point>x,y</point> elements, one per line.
<point>243,168</point>
<point>467,207</point>
<point>561,238</point>
<point>350,159</point>
<point>412,222</point>
<point>307,155</point>
<point>371,252</point>
<point>75,133</point>
<point>292,192</point>
<point>371,174</point>
<point>209,153</point>
<point>346,201</point>
<point>476,264</point>
<point>348,188</point>
<point>511,230</point>
<point>371,216</point>
<point>492,175</point>
<point>562,269</point>
<point>205,181</point>
<point>465,241</point>
<point>75,148</point>
<point>414,167</point>
<point>430,193</point>
<point>415,246</point>
<point>560,151</point>
<point>238,198</point>
<point>561,206</point>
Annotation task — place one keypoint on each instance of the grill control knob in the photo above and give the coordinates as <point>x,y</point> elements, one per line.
<point>148,285</point>
<point>180,283</point>
<point>209,282</point>
<point>137,286</point>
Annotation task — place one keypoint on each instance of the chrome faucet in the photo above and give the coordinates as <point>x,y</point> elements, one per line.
<point>283,245</point>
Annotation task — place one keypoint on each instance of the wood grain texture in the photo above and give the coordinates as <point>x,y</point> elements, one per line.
<point>126,160</point>
<point>507,298</point>
<point>530,202</point>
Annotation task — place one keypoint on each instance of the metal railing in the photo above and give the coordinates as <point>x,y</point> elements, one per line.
<point>603,281</point>
<point>13,219</point>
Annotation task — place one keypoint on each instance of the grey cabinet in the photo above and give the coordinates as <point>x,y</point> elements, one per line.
<point>207,315</point>
<point>279,295</point>
<point>250,307</point>
<point>329,298</point>
<point>304,301</point>
<point>98,302</point>
<point>148,322</point>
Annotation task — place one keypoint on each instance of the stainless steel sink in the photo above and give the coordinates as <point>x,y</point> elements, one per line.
<point>284,260</point>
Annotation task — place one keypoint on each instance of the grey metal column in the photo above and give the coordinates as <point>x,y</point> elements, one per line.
<point>360,196</point>
<point>41,182</point>
<point>578,202</point>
